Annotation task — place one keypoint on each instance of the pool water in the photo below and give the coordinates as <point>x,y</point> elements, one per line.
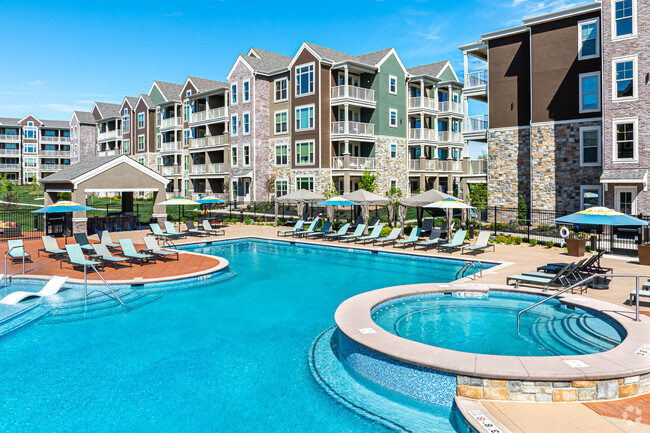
<point>488,325</point>
<point>230,356</point>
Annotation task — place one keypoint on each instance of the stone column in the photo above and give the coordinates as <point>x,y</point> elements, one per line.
<point>346,182</point>
<point>159,210</point>
<point>79,220</point>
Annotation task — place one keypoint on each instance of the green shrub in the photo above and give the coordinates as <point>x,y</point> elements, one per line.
<point>500,239</point>
<point>533,242</point>
<point>282,222</point>
<point>385,231</point>
<point>247,220</point>
<point>549,244</point>
<point>509,240</point>
<point>517,240</point>
<point>587,248</point>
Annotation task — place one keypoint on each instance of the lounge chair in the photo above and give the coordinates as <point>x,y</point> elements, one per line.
<point>357,233</point>
<point>434,240</point>
<point>457,242</point>
<point>208,228</point>
<point>427,225</point>
<point>18,253</point>
<point>327,227</point>
<point>482,243</point>
<point>105,238</point>
<point>342,231</point>
<point>391,238</point>
<point>357,221</point>
<point>107,257</point>
<point>169,228</point>
<point>128,251</point>
<point>373,222</point>
<point>52,287</point>
<point>51,248</point>
<point>76,258</point>
<point>296,228</point>
<point>192,230</point>
<point>557,280</point>
<point>373,236</point>
<point>152,247</point>
<point>446,229</point>
<point>412,239</point>
<point>160,235</point>
<point>310,229</point>
<point>83,242</point>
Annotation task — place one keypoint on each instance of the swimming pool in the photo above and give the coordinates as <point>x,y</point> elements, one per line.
<point>487,324</point>
<point>225,356</point>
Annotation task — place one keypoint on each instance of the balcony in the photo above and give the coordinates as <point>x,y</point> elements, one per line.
<point>450,137</point>
<point>476,128</point>
<point>109,135</point>
<point>450,107</point>
<point>9,152</point>
<point>171,122</point>
<point>9,166</point>
<point>423,134</point>
<point>211,168</point>
<point>357,129</point>
<point>353,94</point>
<point>217,113</point>
<point>356,163</point>
<point>49,139</point>
<point>476,85</point>
<point>478,166</point>
<point>422,103</point>
<point>12,137</point>
<point>53,167</point>
<point>110,152</point>
<point>203,142</point>
<point>59,153</point>
<point>64,139</point>
<point>169,170</point>
<point>198,142</point>
<point>170,147</point>
<point>435,165</point>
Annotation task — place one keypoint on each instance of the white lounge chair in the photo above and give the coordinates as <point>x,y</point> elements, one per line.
<point>52,287</point>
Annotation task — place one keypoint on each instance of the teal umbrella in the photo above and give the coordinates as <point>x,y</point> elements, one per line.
<point>337,201</point>
<point>210,200</point>
<point>62,207</point>
<point>601,216</point>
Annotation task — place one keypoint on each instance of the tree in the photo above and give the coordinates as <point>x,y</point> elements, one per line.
<point>482,155</point>
<point>330,191</point>
<point>394,194</point>
<point>478,196</point>
<point>269,185</point>
<point>522,211</point>
<point>368,181</point>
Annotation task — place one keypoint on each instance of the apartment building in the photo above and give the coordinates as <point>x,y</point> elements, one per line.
<point>83,135</point>
<point>542,85</point>
<point>143,143</point>
<point>11,149</point>
<point>108,118</point>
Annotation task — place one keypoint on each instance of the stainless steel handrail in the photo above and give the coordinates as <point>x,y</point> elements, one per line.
<point>6,277</point>
<point>583,282</point>
<point>473,265</point>
<point>102,278</point>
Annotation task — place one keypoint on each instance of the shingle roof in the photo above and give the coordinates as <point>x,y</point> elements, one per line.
<point>170,91</point>
<point>131,100</point>
<point>269,62</point>
<point>202,85</point>
<point>623,174</point>
<point>55,124</point>
<point>370,59</point>
<point>432,69</point>
<point>76,170</point>
<point>85,117</point>
<point>108,110</point>
<point>9,121</point>
<point>147,100</point>
<point>373,58</point>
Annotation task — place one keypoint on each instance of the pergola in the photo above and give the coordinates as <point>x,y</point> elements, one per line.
<point>106,174</point>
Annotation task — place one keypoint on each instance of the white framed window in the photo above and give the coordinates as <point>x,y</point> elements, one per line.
<point>392,118</point>
<point>246,89</point>
<point>304,152</point>
<point>590,196</point>
<point>29,162</point>
<point>234,191</point>
<point>589,84</point>
<point>140,143</point>
<point>590,146</point>
<point>233,156</point>
<point>588,39</point>
<point>625,140</point>
<point>281,154</point>
<point>233,94</point>
<point>625,199</point>
<point>305,79</point>
<point>126,146</point>
<point>30,131</point>
<point>233,125</point>
<point>305,182</point>
<point>393,183</point>
<point>141,161</point>
<point>281,187</point>
<point>392,84</point>
<point>305,117</point>
<point>246,123</point>
<point>393,151</point>
<point>281,122</point>
<point>624,19</point>
<point>140,120</point>
<point>247,155</point>
<point>280,86</point>
<point>625,80</point>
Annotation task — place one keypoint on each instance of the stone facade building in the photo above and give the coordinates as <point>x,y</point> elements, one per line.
<point>83,135</point>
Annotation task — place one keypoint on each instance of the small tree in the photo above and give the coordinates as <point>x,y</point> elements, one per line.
<point>269,186</point>
<point>478,196</point>
<point>394,195</point>
<point>330,191</point>
<point>522,211</point>
<point>368,181</point>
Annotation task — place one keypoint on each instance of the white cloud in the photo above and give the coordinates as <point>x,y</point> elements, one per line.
<point>39,84</point>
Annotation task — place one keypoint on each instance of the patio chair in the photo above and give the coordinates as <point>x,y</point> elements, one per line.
<point>557,280</point>
<point>51,248</point>
<point>342,231</point>
<point>296,228</point>
<point>76,258</point>
<point>482,243</point>
<point>412,239</point>
<point>105,238</point>
<point>357,233</point>
<point>427,225</point>
<point>357,221</point>
<point>128,251</point>
<point>327,227</point>
<point>373,222</point>
<point>434,240</point>
<point>446,229</point>
<point>160,235</point>
<point>83,242</point>
<point>310,229</point>
<point>208,228</point>
<point>391,238</point>
<point>107,257</point>
<point>18,254</point>
<point>457,242</point>
<point>152,247</point>
<point>169,228</point>
<point>374,235</point>
<point>52,287</point>
<point>192,230</point>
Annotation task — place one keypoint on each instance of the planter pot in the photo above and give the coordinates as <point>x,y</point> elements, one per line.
<point>576,247</point>
<point>644,254</point>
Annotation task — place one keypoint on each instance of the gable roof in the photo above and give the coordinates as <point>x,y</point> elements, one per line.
<point>131,100</point>
<point>84,117</point>
<point>203,85</point>
<point>169,91</point>
<point>9,121</point>
<point>56,124</point>
<point>375,57</point>
<point>108,110</point>
<point>266,61</point>
<point>372,60</point>
<point>432,69</point>
<point>147,100</point>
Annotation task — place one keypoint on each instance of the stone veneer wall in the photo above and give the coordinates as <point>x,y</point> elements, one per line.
<point>261,147</point>
<point>387,168</point>
<point>508,166</point>
<point>556,174</point>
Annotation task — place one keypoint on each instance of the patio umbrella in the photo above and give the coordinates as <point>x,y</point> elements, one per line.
<point>179,201</point>
<point>210,200</point>
<point>419,200</point>
<point>448,203</point>
<point>63,207</point>
<point>335,201</point>
<point>299,198</point>
<point>601,216</point>
<point>365,200</point>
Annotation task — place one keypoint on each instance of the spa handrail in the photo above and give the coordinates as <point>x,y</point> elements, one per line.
<point>583,282</point>
<point>471,264</point>
<point>5,275</point>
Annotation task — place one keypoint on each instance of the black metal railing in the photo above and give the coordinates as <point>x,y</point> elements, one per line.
<point>21,224</point>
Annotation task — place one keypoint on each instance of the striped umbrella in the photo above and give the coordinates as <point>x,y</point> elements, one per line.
<point>601,216</point>
<point>63,207</point>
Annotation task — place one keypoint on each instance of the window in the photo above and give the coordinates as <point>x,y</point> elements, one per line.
<point>590,146</point>
<point>392,84</point>
<point>281,89</point>
<point>29,162</point>
<point>233,94</point>
<point>392,118</point>
<point>304,152</point>
<point>305,118</point>
<point>625,199</point>
<point>247,155</point>
<point>305,183</point>
<point>141,161</point>
<point>140,120</point>
<point>125,122</point>
<point>624,78</point>
<point>246,124</point>
<point>625,140</point>
<point>590,196</point>
<point>50,134</point>
<point>393,151</point>
<point>589,92</point>
<point>187,135</point>
<point>305,80</point>
<point>393,184</point>
<point>126,144</point>
<point>247,94</point>
<point>281,187</point>
<point>140,143</point>
<point>588,39</point>
<point>281,124</point>
<point>233,153</point>
<point>29,147</point>
<point>233,125</point>
<point>29,131</point>
<point>624,16</point>
<point>187,110</point>
<point>281,154</point>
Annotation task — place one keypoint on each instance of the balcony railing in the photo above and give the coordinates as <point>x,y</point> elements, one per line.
<point>353,92</point>
<point>198,142</point>
<point>52,167</point>
<point>170,122</point>
<point>422,102</point>
<point>107,135</point>
<point>356,163</point>
<point>354,128</point>
<point>435,165</point>
<point>198,116</point>
<point>9,166</point>
<point>9,152</point>
<point>476,123</point>
<point>477,79</point>
<point>450,136</point>
<point>49,138</point>
<point>64,139</point>
<point>107,152</point>
<point>216,140</point>
<point>216,113</point>
<point>478,166</point>
<point>168,170</point>
<point>172,146</point>
<point>62,153</point>
<point>7,137</point>
<point>422,134</point>
<point>450,107</point>
<point>210,168</point>
<point>449,165</point>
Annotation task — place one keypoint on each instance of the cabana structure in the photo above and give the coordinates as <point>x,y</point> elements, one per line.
<point>366,199</point>
<point>418,201</point>
<point>298,198</point>
<point>106,174</point>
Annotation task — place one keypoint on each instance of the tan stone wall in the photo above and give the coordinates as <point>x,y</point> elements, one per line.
<point>508,166</point>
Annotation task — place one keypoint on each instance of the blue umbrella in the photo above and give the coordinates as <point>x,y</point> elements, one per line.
<point>62,207</point>
<point>601,216</point>
<point>210,200</point>
<point>337,201</point>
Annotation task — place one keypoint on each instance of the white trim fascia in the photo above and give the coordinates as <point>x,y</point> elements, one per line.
<point>565,13</point>
<point>391,52</point>
<point>122,189</point>
<point>504,32</point>
<point>120,159</point>
<point>35,118</point>
<point>448,65</point>
<point>561,122</point>
<point>253,52</point>
<point>303,47</point>
<point>239,58</point>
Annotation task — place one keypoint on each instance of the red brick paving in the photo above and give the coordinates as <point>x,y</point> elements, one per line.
<point>636,409</point>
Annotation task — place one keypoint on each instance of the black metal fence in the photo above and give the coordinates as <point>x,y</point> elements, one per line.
<point>21,224</point>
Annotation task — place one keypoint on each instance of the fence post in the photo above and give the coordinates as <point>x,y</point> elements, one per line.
<point>254,211</point>
<point>495,221</point>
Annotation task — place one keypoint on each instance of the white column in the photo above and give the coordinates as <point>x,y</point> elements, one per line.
<point>345,72</point>
<point>346,150</point>
<point>466,66</point>
<point>421,126</point>
<point>345,129</point>
<point>421,93</point>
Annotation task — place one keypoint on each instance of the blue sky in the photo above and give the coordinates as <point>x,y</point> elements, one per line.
<point>63,56</point>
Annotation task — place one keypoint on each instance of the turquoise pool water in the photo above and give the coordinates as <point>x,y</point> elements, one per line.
<point>488,325</point>
<point>230,356</point>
